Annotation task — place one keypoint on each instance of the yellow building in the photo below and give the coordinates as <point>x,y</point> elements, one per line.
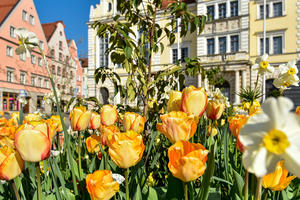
<point>282,36</point>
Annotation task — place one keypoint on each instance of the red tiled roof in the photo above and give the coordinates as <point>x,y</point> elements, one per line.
<point>165,3</point>
<point>49,28</point>
<point>6,6</point>
<point>84,62</point>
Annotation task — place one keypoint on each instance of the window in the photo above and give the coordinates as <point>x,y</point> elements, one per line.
<point>40,61</point>
<point>33,61</point>
<point>12,32</point>
<point>9,51</point>
<point>33,80</point>
<point>64,72</point>
<point>277,9</point>
<point>22,56</point>
<point>58,71</point>
<point>222,45</point>
<point>10,75</point>
<point>31,19</point>
<point>234,8</point>
<point>174,56</point>
<point>109,7</point>
<point>67,60</point>
<point>46,83</point>
<point>52,53</point>
<point>234,42</point>
<point>184,53</point>
<point>40,102</point>
<point>60,45</point>
<point>222,10</point>
<point>40,82</point>
<point>60,33</point>
<point>262,46</point>
<point>261,10</point>
<point>103,44</point>
<point>78,78</point>
<point>211,46</point>
<point>22,78</point>
<point>211,11</point>
<point>41,44</point>
<point>277,45</point>
<point>71,74</point>
<point>60,57</point>
<point>24,15</point>
<point>53,69</point>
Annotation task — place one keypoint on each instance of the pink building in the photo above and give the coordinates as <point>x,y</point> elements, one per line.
<point>19,73</point>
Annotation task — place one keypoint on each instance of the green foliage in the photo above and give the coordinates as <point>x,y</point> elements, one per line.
<point>249,94</point>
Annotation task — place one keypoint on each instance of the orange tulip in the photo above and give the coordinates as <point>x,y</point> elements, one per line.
<point>95,121</point>
<point>187,160</point>
<point>278,179</point>
<point>177,126</point>
<point>11,163</point>
<point>3,122</point>
<point>109,115</point>
<point>101,185</point>
<point>80,118</point>
<point>92,143</point>
<point>211,130</point>
<point>33,140</point>
<point>239,145</point>
<point>126,149</point>
<point>1,114</point>
<point>33,117</point>
<point>174,103</point>
<point>108,130</point>
<point>194,101</point>
<point>13,121</point>
<point>236,123</point>
<point>133,121</point>
<point>298,110</point>
<point>57,122</point>
<point>214,110</point>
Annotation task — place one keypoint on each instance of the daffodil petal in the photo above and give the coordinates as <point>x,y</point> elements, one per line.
<point>292,164</point>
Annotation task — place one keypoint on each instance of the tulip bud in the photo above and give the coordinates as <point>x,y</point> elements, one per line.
<point>174,103</point>
<point>57,122</point>
<point>11,163</point>
<point>126,149</point>
<point>214,110</point>
<point>33,140</point>
<point>109,115</point>
<point>177,126</point>
<point>278,179</point>
<point>187,160</point>
<point>101,185</point>
<point>80,118</point>
<point>194,101</point>
<point>95,121</point>
<point>133,121</point>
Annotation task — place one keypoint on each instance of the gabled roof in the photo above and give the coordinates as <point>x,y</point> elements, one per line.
<point>49,28</point>
<point>165,3</point>
<point>6,7</point>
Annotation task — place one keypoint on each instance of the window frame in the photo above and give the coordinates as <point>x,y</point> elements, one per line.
<point>236,12</point>
<point>24,15</point>
<point>31,20</point>
<point>23,82</point>
<point>225,43</point>
<point>232,45</point>
<point>33,59</point>
<point>10,75</point>
<point>12,34</point>
<point>213,11</point>
<point>208,45</point>
<point>9,51</point>
<point>225,10</point>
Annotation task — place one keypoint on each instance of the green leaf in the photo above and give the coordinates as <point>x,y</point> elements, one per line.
<point>175,188</point>
<point>128,51</point>
<point>138,193</point>
<point>239,183</point>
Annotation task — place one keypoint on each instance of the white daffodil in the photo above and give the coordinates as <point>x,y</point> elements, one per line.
<point>271,136</point>
<point>27,41</point>
<point>262,65</point>
<point>218,96</point>
<point>119,178</point>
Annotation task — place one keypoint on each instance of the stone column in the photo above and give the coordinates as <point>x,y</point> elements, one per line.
<point>227,9</point>
<point>216,11</point>
<point>244,79</point>
<point>237,88</point>
<point>199,83</point>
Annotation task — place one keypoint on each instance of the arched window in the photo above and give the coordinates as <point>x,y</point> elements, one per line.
<point>271,90</point>
<point>104,95</point>
<point>109,7</point>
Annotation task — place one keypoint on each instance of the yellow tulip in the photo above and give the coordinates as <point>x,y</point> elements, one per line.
<point>1,114</point>
<point>33,117</point>
<point>101,185</point>
<point>236,123</point>
<point>278,179</point>
<point>174,103</point>
<point>214,110</point>
<point>13,121</point>
<point>126,149</point>
<point>187,160</point>
<point>177,126</point>
<point>80,118</point>
<point>108,130</point>
<point>109,115</point>
<point>57,122</point>
<point>211,130</point>
<point>33,140</point>
<point>95,121</point>
<point>11,163</point>
<point>92,143</point>
<point>3,122</point>
<point>133,121</point>
<point>194,101</point>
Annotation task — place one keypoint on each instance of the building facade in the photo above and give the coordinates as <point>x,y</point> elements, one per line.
<point>27,76</point>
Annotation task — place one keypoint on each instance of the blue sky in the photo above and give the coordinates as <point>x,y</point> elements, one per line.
<point>74,13</point>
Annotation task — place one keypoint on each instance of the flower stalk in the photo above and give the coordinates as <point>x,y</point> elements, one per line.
<point>185,188</point>
<point>79,155</point>
<point>12,182</point>
<point>38,180</point>
<point>126,172</point>
<point>258,189</point>
<point>246,185</point>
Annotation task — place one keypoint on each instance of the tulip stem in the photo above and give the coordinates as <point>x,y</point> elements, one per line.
<point>210,134</point>
<point>15,189</point>
<point>38,179</point>
<point>246,185</point>
<point>79,155</point>
<point>258,188</point>
<point>186,194</point>
<point>126,172</point>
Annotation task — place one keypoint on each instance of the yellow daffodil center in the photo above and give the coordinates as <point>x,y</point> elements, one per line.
<point>264,64</point>
<point>286,84</point>
<point>292,71</point>
<point>276,141</point>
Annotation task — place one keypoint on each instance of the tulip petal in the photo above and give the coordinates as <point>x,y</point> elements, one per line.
<point>83,121</point>
<point>12,166</point>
